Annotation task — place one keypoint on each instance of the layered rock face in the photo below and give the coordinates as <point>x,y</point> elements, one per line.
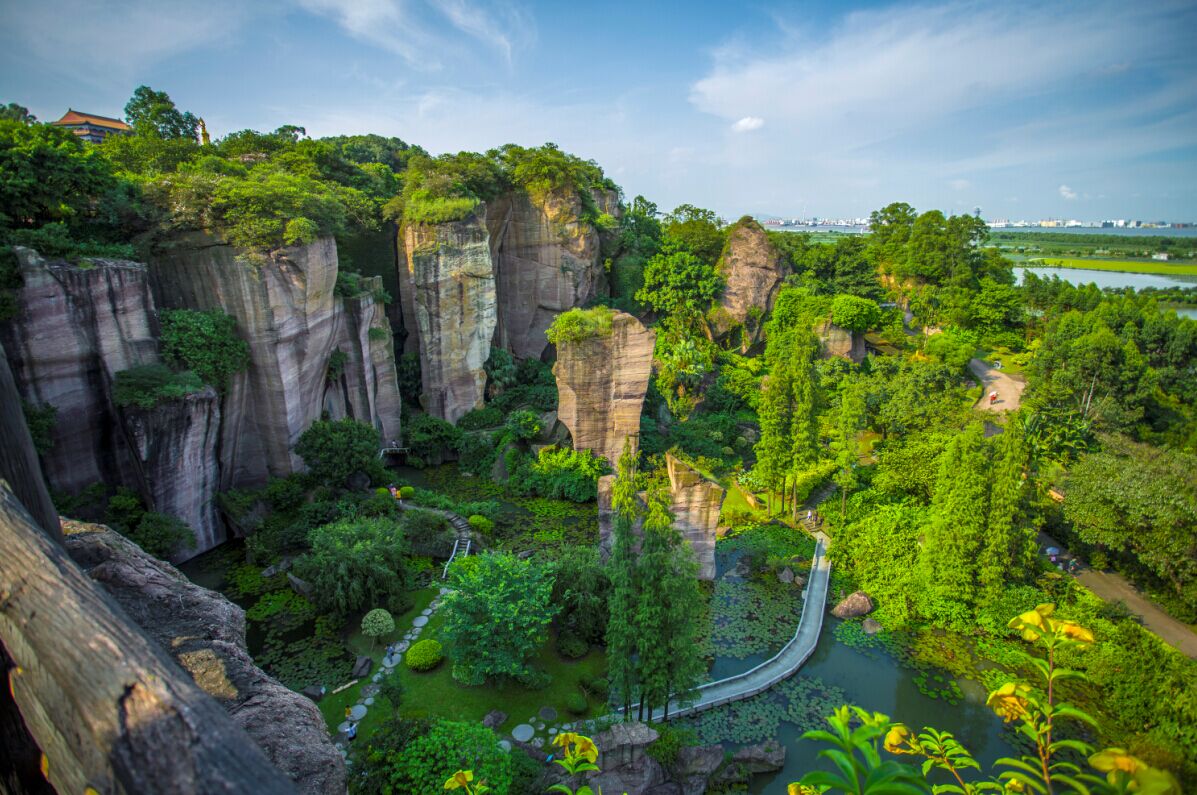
<point>601,383</point>
<point>79,326</point>
<point>456,310</point>
<point>205,634</point>
<point>695,506</point>
<point>76,328</point>
<point>695,503</point>
<point>841,342</point>
<point>368,388</point>
<point>287,311</point>
<point>546,261</point>
<point>754,272</point>
<point>175,442</point>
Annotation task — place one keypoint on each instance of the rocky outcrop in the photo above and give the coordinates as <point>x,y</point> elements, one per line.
<point>624,761</point>
<point>175,443</point>
<point>753,270</point>
<point>841,342</point>
<point>367,388</point>
<point>546,261</point>
<point>287,310</point>
<point>77,327</point>
<point>456,309</point>
<point>696,503</point>
<point>601,383</point>
<point>855,604</point>
<point>205,634</point>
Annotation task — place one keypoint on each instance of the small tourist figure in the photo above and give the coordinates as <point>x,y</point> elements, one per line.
<point>347,713</point>
<point>809,514</point>
<point>351,732</point>
<point>992,398</point>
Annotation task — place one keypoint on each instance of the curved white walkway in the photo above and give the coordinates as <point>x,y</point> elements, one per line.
<point>780,666</point>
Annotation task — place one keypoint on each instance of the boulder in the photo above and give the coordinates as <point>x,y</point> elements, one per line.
<point>786,575</point>
<point>753,270</point>
<point>765,757</point>
<point>871,626</point>
<point>362,666</point>
<point>456,310</point>
<point>694,768</point>
<point>314,692</point>
<point>601,383</point>
<point>277,568</point>
<point>624,764</point>
<point>855,604</point>
<point>695,504</point>
<point>494,719</point>
<point>205,634</point>
<point>299,586</point>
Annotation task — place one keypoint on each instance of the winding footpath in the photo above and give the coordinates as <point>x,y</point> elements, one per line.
<point>1009,389</point>
<point>782,665</point>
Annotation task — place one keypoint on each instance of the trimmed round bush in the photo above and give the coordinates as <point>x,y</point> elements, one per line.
<point>575,702</point>
<point>481,524</point>
<point>407,492</point>
<point>424,655</point>
<point>571,647</point>
<point>599,686</point>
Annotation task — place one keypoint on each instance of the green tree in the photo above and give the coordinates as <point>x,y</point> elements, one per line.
<point>856,314</point>
<point>622,635</point>
<point>956,535</point>
<point>152,112</point>
<point>376,623</point>
<point>356,563</point>
<point>14,112</point>
<point>697,231</point>
<point>417,756</point>
<point>1008,547</point>
<point>335,450</point>
<point>205,342</point>
<point>677,280</point>
<point>497,615</point>
<point>788,409</point>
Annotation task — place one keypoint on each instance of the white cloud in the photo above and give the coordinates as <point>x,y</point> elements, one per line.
<point>748,123</point>
<point>960,184</point>
<point>1067,192</point>
<point>427,34</point>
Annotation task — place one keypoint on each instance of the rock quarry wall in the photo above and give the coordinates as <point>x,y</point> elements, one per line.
<point>837,341</point>
<point>205,634</point>
<point>455,300</point>
<point>601,383</point>
<point>77,326</point>
<point>754,272</point>
<point>288,312</point>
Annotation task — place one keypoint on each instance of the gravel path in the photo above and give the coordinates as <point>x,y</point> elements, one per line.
<point>1008,388</point>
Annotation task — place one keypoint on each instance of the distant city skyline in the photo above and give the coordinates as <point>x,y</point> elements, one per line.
<point>1027,110</point>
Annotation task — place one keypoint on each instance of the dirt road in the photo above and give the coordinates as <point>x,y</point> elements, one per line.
<point>1009,389</point>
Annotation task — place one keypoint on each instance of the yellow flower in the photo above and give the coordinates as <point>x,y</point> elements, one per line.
<point>564,739</point>
<point>1075,631</point>
<point>1112,759</point>
<point>1145,780</point>
<point>1010,701</point>
<point>798,789</point>
<point>1033,623</point>
<point>461,778</point>
<point>899,740</point>
<point>586,748</point>
<point>1014,785</point>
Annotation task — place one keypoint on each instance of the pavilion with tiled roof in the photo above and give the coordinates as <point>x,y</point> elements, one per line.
<point>92,127</point>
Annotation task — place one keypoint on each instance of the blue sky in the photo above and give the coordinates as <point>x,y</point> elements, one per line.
<point>1085,110</point>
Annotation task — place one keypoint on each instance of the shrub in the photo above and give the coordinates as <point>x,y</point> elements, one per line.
<point>356,563</point>
<point>571,647</point>
<point>429,533</point>
<point>478,419</point>
<point>577,325</point>
<point>378,334</point>
<point>670,742</point>
<point>476,453</point>
<point>523,424</point>
<point>333,451</point>
<point>598,687</point>
<point>855,314</point>
<point>205,342</point>
<point>424,655</point>
<point>336,365</point>
<point>575,702</point>
<point>41,420</point>
<point>160,534</point>
<point>481,524</point>
<point>407,492</point>
<point>300,231</point>
<point>428,437</point>
<point>148,385</point>
<point>559,473</point>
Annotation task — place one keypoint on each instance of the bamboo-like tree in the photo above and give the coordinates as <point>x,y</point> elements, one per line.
<point>1009,544</point>
<point>622,635</point>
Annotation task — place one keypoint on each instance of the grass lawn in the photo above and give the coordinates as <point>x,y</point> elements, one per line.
<point>1012,363</point>
<point>1124,265</point>
<point>436,694</point>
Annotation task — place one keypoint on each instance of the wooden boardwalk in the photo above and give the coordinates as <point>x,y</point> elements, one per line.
<point>782,665</point>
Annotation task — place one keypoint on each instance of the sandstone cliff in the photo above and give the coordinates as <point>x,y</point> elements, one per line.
<point>601,383</point>
<point>695,505</point>
<point>456,309</point>
<point>546,261</point>
<point>841,342</point>
<point>754,272</point>
<point>205,634</point>
<point>77,327</point>
<point>288,312</point>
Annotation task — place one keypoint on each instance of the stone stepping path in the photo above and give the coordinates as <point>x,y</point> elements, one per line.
<point>389,663</point>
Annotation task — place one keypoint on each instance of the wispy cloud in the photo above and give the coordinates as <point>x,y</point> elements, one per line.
<point>1067,192</point>
<point>748,123</point>
<point>426,33</point>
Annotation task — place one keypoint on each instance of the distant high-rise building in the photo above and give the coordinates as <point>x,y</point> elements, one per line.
<point>91,127</point>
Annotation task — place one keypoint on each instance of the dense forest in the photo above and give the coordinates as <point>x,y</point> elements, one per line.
<point>934,506</point>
